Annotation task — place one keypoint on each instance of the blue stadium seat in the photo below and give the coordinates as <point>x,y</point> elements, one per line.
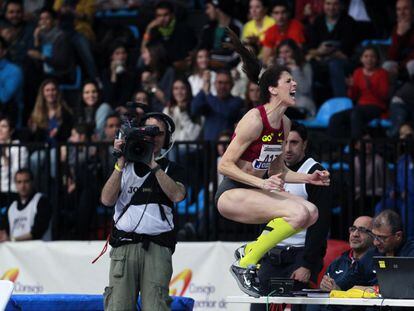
<point>116,13</point>
<point>134,30</point>
<point>325,112</point>
<point>336,166</point>
<point>191,209</point>
<point>385,123</point>
<point>386,42</point>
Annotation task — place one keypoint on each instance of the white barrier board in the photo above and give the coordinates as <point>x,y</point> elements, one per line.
<point>201,270</point>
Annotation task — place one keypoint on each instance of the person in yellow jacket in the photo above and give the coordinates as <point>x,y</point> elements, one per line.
<point>82,11</point>
<point>255,28</point>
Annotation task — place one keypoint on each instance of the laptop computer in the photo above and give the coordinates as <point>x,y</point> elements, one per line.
<point>395,276</point>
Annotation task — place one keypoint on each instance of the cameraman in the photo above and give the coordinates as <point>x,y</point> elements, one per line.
<point>143,237</point>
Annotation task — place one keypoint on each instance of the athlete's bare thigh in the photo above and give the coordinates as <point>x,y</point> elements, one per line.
<point>256,206</point>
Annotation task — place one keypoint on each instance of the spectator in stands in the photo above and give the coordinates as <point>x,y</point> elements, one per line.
<point>331,42</point>
<point>344,272</point>
<point>177,38</point>
<point>112,125</point>
<point>222,111</point>
<point>289,54</point>
<point>240,79</point>
<point>254,30</point>
<point>214,34</point>
<point>186,129</point>
<point>13,158</point>
<point>147,246</point>
<point>11,86</point>
<point>299,257</point>
<point>141,96</point>
<point>19,33</point>
<point>92,111</point>
<point>252,97</point>
<point>222,143</point>
<point>75,19</point>
<point>77,15</point>
<point>285,28</point>
<point>400,195</point>
<point>307,10</point>
<point>200,66</point>
<point>28,217</point>
<point>52,50</point>
<point>80,163</point>
<point>369,163</point>
<point>401,50</point>
<point>402,106</point>
<point>51,119</point>
<point>158,77</point>
<point>117,79</point>
<point>368,88</point>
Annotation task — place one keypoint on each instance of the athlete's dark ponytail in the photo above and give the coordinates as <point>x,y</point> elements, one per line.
<point>252,67</point>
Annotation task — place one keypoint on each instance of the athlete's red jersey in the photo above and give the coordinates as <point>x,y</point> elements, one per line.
<point>267,147</point>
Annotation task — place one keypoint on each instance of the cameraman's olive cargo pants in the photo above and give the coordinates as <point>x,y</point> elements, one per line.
<point>135,270</point>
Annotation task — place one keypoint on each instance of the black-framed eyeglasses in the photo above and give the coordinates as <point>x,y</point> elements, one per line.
<point>352,229</point>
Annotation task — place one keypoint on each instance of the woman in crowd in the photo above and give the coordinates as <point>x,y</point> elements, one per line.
<point>51,119</point>
<point>289,54</point>
<point>92,111</point>
<point>252,97</point>
<point>201,71</point>
<point>254,29</point>
<point>118,80</point>
<point>178,110</point>
<point>158,77</point>
<point>368,87</point>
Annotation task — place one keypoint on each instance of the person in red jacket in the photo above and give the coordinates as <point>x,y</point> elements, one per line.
<point>368,88</point>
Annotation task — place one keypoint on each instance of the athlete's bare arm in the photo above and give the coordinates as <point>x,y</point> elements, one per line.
<point>247,131</point>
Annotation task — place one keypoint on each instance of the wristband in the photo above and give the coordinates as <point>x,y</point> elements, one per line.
<point>117,168</point>
<point>156,169</point>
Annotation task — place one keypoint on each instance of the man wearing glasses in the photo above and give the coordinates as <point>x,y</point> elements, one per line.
<point>345,271</point>
<point>388,235</point>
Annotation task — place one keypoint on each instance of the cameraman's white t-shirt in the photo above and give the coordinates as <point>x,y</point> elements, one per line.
<point>151,223</point>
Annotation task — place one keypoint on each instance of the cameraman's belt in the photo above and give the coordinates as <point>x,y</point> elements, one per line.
<point>119,238</point>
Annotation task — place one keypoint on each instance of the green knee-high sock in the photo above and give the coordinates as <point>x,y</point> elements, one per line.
<point>276,230</point>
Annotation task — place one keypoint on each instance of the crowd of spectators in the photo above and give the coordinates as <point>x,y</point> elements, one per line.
<point>66,71</point>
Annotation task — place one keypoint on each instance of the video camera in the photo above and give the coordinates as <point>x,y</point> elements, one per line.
<point>139,140</point>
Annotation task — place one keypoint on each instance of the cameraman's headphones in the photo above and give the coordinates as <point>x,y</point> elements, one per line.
<point>169,125</point>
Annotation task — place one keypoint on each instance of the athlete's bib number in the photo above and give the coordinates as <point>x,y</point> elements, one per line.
<point>268,153</point>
